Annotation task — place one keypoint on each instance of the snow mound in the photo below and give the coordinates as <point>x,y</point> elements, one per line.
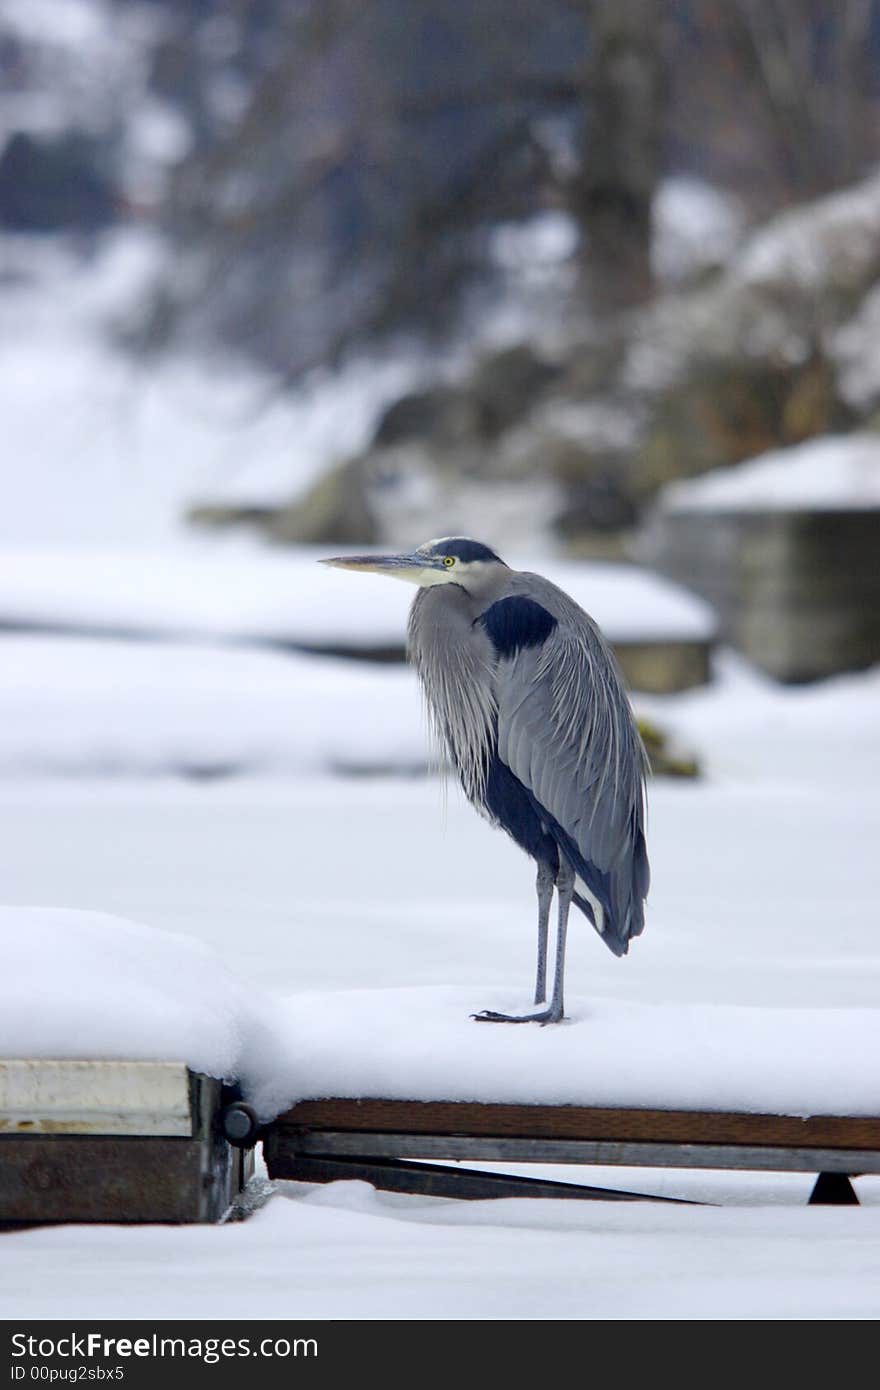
<point>834,472</point>
<point>89,985</point>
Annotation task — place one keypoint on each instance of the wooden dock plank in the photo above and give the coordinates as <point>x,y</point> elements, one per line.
<point>284,1158</point>
<point>377,1115</point>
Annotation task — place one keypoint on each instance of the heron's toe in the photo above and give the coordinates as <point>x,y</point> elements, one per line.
<point>490,1016</point>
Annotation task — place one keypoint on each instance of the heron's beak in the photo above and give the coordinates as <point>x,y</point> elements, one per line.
<point>411,567</point>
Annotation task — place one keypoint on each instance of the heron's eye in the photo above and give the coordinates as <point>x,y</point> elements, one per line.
<point>449,561</point>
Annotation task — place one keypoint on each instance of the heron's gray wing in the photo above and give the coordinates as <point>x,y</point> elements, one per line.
<point>566,731</point>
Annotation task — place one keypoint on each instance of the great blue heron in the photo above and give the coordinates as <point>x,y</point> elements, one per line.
<point>525,694</point>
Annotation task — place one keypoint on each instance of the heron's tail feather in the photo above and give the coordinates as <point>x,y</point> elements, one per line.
<point>622,893</point>
<point>616,940</point>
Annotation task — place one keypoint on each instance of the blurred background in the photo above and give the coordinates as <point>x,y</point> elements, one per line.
<point>597,283</point>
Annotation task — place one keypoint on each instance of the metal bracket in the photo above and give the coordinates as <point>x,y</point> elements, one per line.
<point>440,1180</point>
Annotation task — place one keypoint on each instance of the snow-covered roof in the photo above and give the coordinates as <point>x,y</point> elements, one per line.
<point>834,472</point>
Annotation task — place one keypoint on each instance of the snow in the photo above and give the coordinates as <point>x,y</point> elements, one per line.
<point>109,450</point>
<point>288,597</point>
<point>333,897</point>
<point>211,701</point>
<point>830,473</point>
<point>694,1025</point>
<point>75,25</point>
<point>348,1252</point>
<point>798,276</point>
<point>74,706</point>
<point>158,134</point>
<point>311,931</point>
<point>87,985</point>
<point>695,228</point>
<point>110,453</point>
<point>531,246</point>
<point>832,242</point>
<point>855,350</point>
<point>326,891</point>
<point>750,731</point>
<point>422,1043</point>
<point>85,65</point>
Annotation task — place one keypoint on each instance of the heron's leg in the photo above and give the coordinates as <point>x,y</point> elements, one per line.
<point>554,1012</point>
<point>545,896</point>
<point>564,895</point>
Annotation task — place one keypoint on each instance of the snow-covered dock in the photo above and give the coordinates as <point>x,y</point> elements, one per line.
<point>83,985</point>
<point>90,988</point>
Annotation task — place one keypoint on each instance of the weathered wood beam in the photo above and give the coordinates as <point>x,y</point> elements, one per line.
<point>584,1123</point>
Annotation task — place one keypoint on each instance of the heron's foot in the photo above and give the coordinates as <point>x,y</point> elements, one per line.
<point>548,1015</point>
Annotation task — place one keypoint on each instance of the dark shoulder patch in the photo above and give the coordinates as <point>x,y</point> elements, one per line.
<point>516,622</point>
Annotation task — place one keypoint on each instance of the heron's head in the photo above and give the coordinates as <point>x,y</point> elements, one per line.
<point>451,560</point>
